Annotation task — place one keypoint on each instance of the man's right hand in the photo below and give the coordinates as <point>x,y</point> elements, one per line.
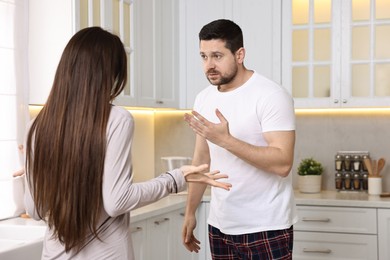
<point>189,240</point>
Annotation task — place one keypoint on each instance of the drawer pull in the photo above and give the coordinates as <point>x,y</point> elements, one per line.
<point>317,250</point>
<point>182,214</point>
<point>316,219</point>
<point>136,229</point>
<point>158,222</point>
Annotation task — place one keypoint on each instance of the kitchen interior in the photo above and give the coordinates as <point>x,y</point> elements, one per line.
<point>331,55</point>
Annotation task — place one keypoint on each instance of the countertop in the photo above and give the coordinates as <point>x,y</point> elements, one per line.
<point>341,199</point>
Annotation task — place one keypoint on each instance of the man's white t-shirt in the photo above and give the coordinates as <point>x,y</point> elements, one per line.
<point>258,200</point>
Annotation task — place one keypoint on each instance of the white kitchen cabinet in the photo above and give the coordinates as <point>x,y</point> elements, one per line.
<point>138,237</point>
<point>335,233</point>
<point>179,252</point>
<point>384,233</point>
<point>53,23</point>
<point>202,230</point>
<point>260,21</point>
<point>148,29</point>
<point>335,52</point>
<point>158,237</point>
<point>156,53</point>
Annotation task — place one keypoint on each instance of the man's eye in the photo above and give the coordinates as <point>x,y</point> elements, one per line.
<point>203,57</point>
<point>218,57</point>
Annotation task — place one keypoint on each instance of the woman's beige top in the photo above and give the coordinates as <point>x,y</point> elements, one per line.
<point>120,196</point>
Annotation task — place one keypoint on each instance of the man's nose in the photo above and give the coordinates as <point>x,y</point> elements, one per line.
<point>209,64</point>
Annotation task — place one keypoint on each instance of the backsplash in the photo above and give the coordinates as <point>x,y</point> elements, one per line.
<point>318,134</point>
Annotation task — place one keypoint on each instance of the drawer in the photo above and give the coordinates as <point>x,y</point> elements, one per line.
<point>315,245</point>
<point>337,219</point>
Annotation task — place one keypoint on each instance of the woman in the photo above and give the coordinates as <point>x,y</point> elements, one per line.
<point>78,163</point>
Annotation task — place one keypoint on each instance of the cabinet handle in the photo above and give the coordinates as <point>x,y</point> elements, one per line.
<point>182,214</point>
<point>158,222</point>
<point>316,219</point>
<point>336,101</point>
<point>317,250</point>
<point>159,102</point>
<point>345,101</point>
<point>136,229</point>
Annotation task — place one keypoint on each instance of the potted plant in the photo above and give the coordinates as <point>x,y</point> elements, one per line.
<point>310,175</point>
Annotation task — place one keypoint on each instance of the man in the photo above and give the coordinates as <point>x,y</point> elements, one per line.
<point>245,127</point>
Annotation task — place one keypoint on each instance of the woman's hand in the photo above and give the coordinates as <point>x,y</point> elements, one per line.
<point>198,174</point>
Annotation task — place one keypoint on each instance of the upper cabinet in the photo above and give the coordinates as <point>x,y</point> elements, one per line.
<point>156,53</point>
<point>148,30</point>
<point>335,52</point>
<point>115,16</point>
<point>260,21</point>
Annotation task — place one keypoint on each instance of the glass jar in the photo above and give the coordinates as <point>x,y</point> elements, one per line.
<point>338,181</point>
<point>347,181</point>
<point>347,162</point>
<point>356,181</point>
<point>365,181</point>
<point>338,162</point>
<point>357,160</point>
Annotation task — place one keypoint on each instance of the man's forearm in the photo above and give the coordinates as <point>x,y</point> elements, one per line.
<point>194,197</point>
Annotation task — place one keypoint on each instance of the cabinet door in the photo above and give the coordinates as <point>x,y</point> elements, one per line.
<point>202,230</point>
<point>158,242</point>
<point>320,245</point>
<point>311,69</point>
<point>334,52</point>
<point>179,252</point>
<point>260,22</point>
<point>156,53</point>
<point>384,233</point>
<point>365,56</point>
<point>138,236</point>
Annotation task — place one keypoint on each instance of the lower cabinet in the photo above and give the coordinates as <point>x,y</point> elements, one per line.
<point>322,232</point>
<point>202,231</point>
<point>138,237</point>
<point>384,234</point>
<point>160,238</point>
<point>336,233</point>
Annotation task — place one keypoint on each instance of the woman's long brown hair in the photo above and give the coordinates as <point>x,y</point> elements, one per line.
<point>66,143</point>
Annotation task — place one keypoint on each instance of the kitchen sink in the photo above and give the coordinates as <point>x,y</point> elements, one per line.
<point>21,241</point>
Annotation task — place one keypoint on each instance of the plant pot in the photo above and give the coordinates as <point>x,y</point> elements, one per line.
<point>309,183</point>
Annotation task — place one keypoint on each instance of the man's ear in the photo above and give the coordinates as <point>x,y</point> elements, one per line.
<point>240,55</point>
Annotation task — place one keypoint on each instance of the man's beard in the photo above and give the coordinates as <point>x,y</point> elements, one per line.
<point>224,79</point>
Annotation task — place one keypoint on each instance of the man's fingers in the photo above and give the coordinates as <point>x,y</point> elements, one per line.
<point>220,116</point>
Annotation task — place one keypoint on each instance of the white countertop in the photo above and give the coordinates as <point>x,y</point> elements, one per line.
<point>325,198</point>
<point>167,204</point>
<point>341,199</point>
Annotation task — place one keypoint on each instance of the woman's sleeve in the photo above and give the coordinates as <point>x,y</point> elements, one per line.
<point>120,194</point>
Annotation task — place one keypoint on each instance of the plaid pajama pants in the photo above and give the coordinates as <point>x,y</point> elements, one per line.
<point>267,245</point>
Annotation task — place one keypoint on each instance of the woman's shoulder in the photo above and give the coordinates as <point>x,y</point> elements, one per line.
<point>120,116</point>
<point>120,113</point>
